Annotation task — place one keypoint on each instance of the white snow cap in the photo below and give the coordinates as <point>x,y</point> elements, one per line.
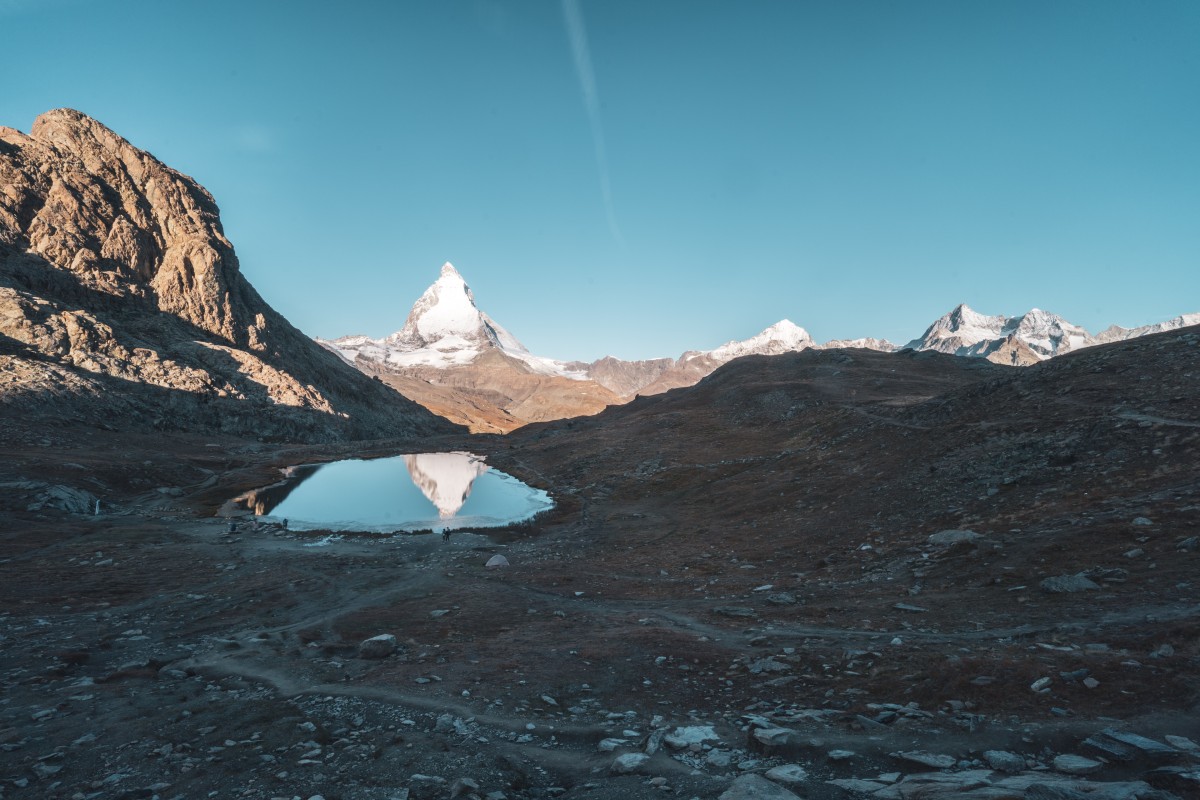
<point>446,329</point>
<point>966,332</point>
<point>784,336</point>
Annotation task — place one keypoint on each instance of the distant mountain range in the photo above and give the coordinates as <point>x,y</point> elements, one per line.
<point>457,361</point>
<point>1026,339</point>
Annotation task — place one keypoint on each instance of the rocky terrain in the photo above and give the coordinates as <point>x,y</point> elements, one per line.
<point>831,574</point>
<point>121,296</point>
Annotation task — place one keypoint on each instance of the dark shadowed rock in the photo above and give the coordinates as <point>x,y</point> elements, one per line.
<point>755,787</point>
<point>1067,584</point>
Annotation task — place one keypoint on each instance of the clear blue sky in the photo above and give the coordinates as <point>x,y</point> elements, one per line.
<point>641,178</point>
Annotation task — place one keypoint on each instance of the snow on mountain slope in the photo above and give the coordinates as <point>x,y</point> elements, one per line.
<point>1047,334</point>
<point>783,337</point>
<point>959,331</point>
<point>445,329</point>
<point>863,343</point>
<point>965,332</point>
<point>1115,333</point>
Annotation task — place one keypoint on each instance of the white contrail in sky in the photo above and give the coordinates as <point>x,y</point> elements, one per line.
<point>591,100</point>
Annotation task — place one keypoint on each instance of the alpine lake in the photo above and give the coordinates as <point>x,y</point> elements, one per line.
<point>419,492</point>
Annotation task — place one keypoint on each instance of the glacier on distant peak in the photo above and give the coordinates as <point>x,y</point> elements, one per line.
<point>445,329</point>
<point>965,332</point>
<point>446,309</point>
<point>1115,333</point>
<point>783,337</point>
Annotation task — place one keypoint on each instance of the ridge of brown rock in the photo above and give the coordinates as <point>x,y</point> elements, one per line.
<point>114,264</point>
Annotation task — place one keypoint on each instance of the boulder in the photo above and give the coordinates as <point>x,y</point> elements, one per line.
<point>380,646</point>
<point>64,498</point>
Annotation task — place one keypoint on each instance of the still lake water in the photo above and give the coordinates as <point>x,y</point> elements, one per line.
<point>438,491</point>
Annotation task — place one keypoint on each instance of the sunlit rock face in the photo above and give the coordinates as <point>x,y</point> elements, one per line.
<point>445,478</point>
<point>121,296</point>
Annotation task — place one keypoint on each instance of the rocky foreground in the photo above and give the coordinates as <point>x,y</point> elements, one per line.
<point>822,575</point>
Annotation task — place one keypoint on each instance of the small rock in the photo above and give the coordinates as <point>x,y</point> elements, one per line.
<point>840,755</point>
<point>1004,761</point>
<point>1142,521</point>
<point>683,737</point>
<point>909,607</point>
<point>788,774</point>
<point>462,786</point>
<point>629,763</point>
<point>859,786</point>
<point>1182,743</point>
<point>774,737</point>
<point>1076,765</point>
<point>947,538</point>
<point>767,665</point>
<point>756,787</point>
<point>935,760</point>
<point>1066,584</point>
<point>1147,747</point>
<point>1040,684</point>
<point>610,744</point>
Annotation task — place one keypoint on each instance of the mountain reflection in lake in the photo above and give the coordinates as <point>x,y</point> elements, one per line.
<point>439,491</point>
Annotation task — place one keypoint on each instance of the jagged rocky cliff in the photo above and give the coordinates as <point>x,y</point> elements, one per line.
<point>122,303</point>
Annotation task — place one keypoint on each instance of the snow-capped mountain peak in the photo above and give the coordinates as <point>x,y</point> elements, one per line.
<point>1047,334</point>
<point>965,332</point>
<point>445,329</point>
<point>783,337</point>
<point>446,309</point>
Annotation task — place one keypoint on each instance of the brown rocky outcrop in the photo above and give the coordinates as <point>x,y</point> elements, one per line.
<point>115,267</point>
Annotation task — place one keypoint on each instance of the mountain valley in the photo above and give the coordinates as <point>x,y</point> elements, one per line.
<point>774,569</point>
